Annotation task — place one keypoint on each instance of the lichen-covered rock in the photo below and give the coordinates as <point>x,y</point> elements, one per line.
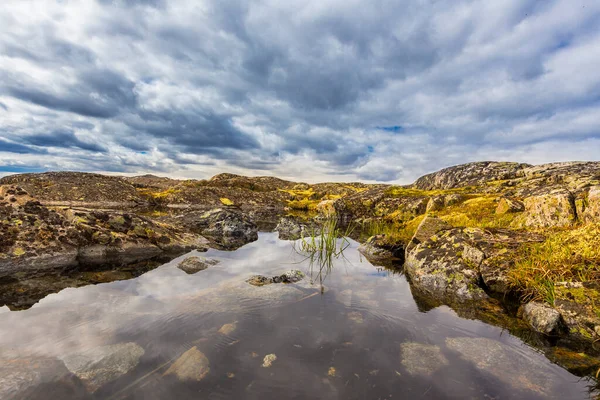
<point>290,228</point>
<point>194,264</point>
<point>426,229</point>
<point>435,203</point>
<point>542,318</point>
<point>291,276</point>
<point>190,366</point>
<point>508,205</point>
<point>555,208</point>
<point>377,250</point>
<point>100,365</point>
<point>227,228</point>
<point>591,206</point>
<point>476,173</point>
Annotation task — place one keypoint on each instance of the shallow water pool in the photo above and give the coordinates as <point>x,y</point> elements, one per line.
<point>353,332</point>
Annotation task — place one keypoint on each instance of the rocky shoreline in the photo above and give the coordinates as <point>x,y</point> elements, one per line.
<point>469,236</point>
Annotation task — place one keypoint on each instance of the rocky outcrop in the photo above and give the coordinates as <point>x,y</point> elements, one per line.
<point>543,318</point>
<point>100,365</point>
<point>194,264</point>
<point>589,205</point>
<point>426,229</point>
<point>227,228</point>
<point>471,174</point>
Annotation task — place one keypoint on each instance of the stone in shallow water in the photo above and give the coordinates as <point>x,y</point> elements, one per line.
<point>100,365</point>
<point>191,366</point>
<point>421,359</point>
<point>268,360</point>
<point>194,264</point>
<point>505,363</point>
<point>291,276</point>
<point>228,329</point>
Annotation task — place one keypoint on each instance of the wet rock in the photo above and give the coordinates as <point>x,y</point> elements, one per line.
<point>508,205</point>
<point>191,366</point>
<point>505,363</point>
<point>421,359</point>
<point>228,329</point>
<point>542,318</point>
<point>553,209</point>
<point>268,360</point>
<point>574,362</point>
<point>194,264</point>
<point>291,276</point>
<point>29,378</point>
<point>377,250</point>
<point>100,365</point>
<point>229,228</point>
<point>292,229</point>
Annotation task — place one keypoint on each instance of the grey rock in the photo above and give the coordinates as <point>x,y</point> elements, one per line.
<point>542,318</point>
<point>426,229</point>
<point>421,359</point>
<point>505,363</point>
<point>292,229</point>
<point>435,204</point>
<point>377,250</point>
<point>508,205</point>
<point>228,228</point>
<point>100,365</point>
<point>194,264</point>
<point>555,208</point>
<point>291,276</point>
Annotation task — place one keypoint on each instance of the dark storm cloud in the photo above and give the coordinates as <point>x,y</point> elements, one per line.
<point>380,90</point>
<point>9,147</point>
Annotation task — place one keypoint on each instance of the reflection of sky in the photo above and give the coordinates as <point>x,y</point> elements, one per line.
<point>167,299</point>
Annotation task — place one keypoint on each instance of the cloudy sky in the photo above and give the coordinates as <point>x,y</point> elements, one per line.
<point>312,90</point>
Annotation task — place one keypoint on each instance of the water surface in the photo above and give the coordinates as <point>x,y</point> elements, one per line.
<point>358,334</point>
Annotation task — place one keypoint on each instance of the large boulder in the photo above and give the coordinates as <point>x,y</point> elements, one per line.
<point>590,210</point>
<point>552,209</point>
<point>426,229</point>
<point>228,228</point>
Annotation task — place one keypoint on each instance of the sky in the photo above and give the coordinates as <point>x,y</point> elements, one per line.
<point>326,90</point>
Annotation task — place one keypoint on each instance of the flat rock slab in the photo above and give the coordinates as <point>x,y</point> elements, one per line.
<point>100,365</point>
<point>194,264</point>
<point>504,363</point>
<point>421,359</point>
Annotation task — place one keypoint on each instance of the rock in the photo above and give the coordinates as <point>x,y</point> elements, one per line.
<point>553,209</point>
<point>435,204</point>
<point>508,205</point>
<point>228,329</point>
<point>27,378</point>
<point>228,228</point>
<point>194,264</point>
<point>476,173</point>
<point>291,276</point>
<point>439,267</point>
<point>591,209</point>
<point>326,208</point>
<point>542,318</point>
<point>505,363</point>
<point>426,229</point>
<point>453,199</point>
<point>268,360</point>
<point>377,250</point>
<point>292,229</point>
<point>100,365</point>
<point>190,366</point>
<point>421,359</point>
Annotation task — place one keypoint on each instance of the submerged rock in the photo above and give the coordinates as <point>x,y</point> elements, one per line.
<point>191,366</point>
<point>291,276</point>
<point>542,318</point>
<point>268,360</point>
<point>505,363</point>
<point>290,228</point>
<point>100,365</point>
<point>194,264</point>
<point>228,329</point>
<point>421,359</point>
<point>24,378</point>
